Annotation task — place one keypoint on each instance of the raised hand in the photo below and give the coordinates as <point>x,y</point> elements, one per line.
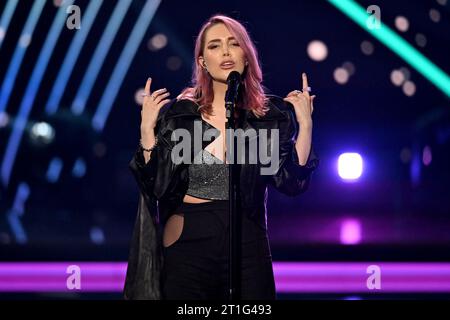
<point>302,101</point>
<point>152,104</point>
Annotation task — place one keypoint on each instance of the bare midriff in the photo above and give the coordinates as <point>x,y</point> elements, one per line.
<point>175,223</point>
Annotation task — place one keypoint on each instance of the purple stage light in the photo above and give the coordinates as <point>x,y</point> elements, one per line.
<point>350,231</point>
<point>350,166</point>
<point>426,156</point>
<point>53,277</point>
<point>290,277</point>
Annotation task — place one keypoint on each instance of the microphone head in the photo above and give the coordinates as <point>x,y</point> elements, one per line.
<point>234,76</point>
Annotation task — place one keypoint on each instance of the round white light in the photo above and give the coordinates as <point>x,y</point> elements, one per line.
<point>157,42</point>
<point>401,23</point>
<point>317,50</point>
<point>397,77</point>
<point>341,75</point>
<point>409,88</point>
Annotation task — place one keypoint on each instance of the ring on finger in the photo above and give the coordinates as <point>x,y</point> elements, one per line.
<point>145,94</point>
<point>307,89</point>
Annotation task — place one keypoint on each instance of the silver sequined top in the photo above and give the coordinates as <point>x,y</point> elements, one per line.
<point>208,179</point>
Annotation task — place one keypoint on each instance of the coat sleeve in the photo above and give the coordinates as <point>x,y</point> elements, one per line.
<point>146,174</point>
<point>145,259</point>
<point>145,256</point>
<point>292,178</point>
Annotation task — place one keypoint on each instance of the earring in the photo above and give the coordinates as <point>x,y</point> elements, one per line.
<point>246,63</point>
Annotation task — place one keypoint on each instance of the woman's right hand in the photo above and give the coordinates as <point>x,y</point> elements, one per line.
<point>152,104</point>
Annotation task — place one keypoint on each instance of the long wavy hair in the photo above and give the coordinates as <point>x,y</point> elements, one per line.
<point>252,94</point>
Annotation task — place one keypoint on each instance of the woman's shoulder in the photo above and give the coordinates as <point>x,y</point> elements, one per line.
<point>176,107</point>
<point>277,108</point>
<point>277,102</point>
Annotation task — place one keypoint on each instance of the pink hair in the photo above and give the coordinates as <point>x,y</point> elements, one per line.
<point>201,92</point>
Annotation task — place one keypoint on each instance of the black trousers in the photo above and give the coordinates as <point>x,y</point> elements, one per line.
<point>196,265</point>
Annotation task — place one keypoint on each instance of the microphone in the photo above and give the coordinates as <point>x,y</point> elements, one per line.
<point>233,81</point>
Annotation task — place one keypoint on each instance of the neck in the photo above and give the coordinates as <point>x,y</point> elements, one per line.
<point>219,89</point>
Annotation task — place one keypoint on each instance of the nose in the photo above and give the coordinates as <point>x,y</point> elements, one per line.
<point>226,51</point>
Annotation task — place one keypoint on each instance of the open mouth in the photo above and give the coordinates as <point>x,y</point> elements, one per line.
<point>227,65</point>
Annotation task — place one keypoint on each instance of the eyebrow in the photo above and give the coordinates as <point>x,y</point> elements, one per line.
<point>216,40</point>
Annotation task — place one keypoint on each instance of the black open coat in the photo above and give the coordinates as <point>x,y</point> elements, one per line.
<point>163,184</point>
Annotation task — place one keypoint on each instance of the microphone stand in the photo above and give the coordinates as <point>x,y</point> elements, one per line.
<point>233,192</point>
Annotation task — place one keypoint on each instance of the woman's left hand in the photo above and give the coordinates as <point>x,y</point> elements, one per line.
<point>302,102</point>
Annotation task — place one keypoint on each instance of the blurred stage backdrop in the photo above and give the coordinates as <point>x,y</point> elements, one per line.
<point>375,222</point>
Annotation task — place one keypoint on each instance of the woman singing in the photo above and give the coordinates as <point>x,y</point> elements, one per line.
<point>180,244</point>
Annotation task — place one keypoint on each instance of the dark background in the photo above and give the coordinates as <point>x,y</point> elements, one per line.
<point>402,206</point>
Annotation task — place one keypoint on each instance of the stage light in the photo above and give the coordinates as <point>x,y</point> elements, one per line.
<point>157,42</point>
<point>435,15</point>
<point>71,57</point>
<point>99,56</point>
<point>32,88</point>
<point>15,214</point>
<point>58,3</point>
<point>367,48</point>
<point>42,132</point>
<point>426,156</point>
<point>352,298</point>
<point>54,170</point>
<point>25,40</point>
<point>350,166</point>
<point>406,73</point>
<point>317,50</point>
<point>409,88</point>
<point>18,56</point>
<point>350,67</point>
<point>138,98</point>
<point>350,231</point>
<point>397,77</point>
<point>5,19</point>
<point>402,23</point>
<point>123,63</point>
<point>291,277</point>
<point>4,119</point>
<point>97,235</point>
<point>421,40</point>
<point>397,44</point>
<point>79,168</point>
<point>341,75</point>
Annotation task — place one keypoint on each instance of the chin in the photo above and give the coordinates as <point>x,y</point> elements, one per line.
<point>222,76</point>
<point>228,71</point>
